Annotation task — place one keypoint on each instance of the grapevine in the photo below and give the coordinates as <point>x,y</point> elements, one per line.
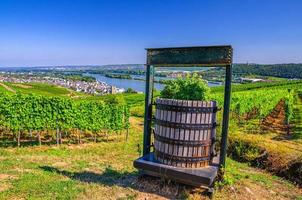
<point>27,113</point>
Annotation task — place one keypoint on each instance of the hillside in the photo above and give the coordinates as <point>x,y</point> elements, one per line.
<point>276,70</point>
<point>287,71</point>
<point>264,151</point>
<point>37,88</point>
<point>104,171</point>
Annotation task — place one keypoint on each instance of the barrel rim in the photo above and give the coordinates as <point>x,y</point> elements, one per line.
<point>189,103</point>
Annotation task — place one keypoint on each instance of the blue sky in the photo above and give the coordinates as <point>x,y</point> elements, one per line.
<point>80,32</point>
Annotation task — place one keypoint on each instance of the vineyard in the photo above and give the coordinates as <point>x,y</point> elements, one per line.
<point>34,116</point>
<point>262,102</point>
<point>94,124</point>
<point>46,119</point>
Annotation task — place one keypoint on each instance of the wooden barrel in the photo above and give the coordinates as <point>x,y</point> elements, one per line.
<point>184,133</point>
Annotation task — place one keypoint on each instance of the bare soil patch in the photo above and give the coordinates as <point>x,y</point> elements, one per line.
<point>4,176</point>
<point>4,187</point>
<point>276,120</point>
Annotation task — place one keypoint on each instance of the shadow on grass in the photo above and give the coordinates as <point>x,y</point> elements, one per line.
<point>11,143</point>
<point>31,143</point>
<point>295,134</point>
<point>109,177</point>
<point>134,180</point>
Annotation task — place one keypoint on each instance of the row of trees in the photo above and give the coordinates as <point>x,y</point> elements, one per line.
<point>276,70</point>
<point>27,113</point>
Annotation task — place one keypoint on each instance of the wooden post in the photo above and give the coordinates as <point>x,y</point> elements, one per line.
<point>57,133</point>
<point>79,136</point>
<point>148,109</point>
<point>18,138</point>
<point>31,135</point>
<point>39,139</point>
<point>225,120</point>
<point>127,134</point>
<point>94,137</point>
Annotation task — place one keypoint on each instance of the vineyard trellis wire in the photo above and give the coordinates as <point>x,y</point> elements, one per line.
<point>33,113</point>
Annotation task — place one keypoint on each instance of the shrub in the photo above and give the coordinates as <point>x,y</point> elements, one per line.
<point>114,99</point>
<point>190,88</point>
<point>130,91</point>
<point>137,111</point>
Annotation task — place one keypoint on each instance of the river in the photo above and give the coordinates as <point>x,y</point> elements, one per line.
<point>137,85</point>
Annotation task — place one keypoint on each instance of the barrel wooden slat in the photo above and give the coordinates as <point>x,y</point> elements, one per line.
<point>181,152</point>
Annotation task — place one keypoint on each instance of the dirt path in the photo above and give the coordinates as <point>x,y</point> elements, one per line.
<point>276,122</point>
<point>22,85</point>
<point>7,88</point>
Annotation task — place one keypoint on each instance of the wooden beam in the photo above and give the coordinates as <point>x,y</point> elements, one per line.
<point>199,177</point>
<point>225,120</point>
<point>190,56</point>
<point>148,109</point>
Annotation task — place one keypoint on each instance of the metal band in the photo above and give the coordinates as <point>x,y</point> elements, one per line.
<point>172,141</point>
<point>165,156</point>
<point>185,125</point>
<point>186,109</point>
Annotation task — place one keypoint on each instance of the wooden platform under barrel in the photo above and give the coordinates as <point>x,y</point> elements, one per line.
<point>184,132</point>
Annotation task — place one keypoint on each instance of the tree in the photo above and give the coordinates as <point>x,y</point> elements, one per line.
<point>115,99</point>
<point>130,91</point>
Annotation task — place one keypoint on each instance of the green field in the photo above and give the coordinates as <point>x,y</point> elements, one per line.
<point>39,89</point>
<point>104,170</point>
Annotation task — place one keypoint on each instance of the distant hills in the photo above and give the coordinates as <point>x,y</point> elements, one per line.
<point>277,70</point>
<point>290,71</point>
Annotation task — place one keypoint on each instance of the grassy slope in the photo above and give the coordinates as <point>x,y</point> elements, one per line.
<point>99,158</point>
<point>4,89</point>
<point>297,117</point>
<point>131,99</point>
<point>39,89</point>
<point>104,171</point>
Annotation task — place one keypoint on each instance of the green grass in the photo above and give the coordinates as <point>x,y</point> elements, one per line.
<point>39,88</point>
<point>4,90</point>
<point>236,172</point>
<point>105,170</point>
<point>241,181</point>
<point>131,99</point>
<point>297,117</point>
<point>35,185</point>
